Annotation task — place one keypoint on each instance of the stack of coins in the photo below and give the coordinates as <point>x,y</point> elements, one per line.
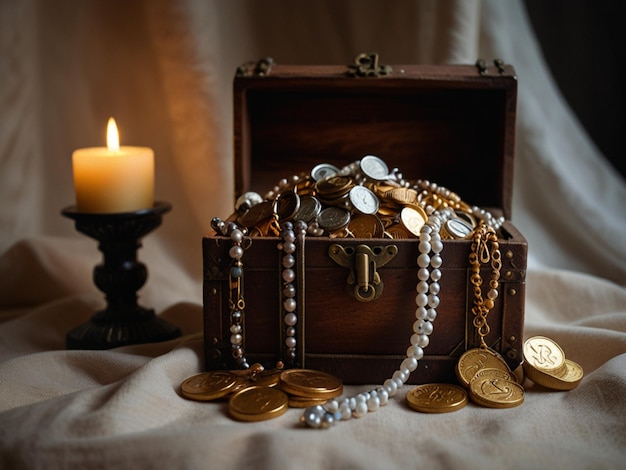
<point>546,365</point>
<point>488,379</point>
<point>257,395</point>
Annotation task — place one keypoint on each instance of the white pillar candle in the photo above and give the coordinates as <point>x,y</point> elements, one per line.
<point>113,178</point>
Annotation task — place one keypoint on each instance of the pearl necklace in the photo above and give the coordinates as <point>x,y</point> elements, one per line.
<point>292,325</point>
<point>427,301</point>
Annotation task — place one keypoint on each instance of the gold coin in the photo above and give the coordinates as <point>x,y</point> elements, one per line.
<point>402,195</point>
<point>257,404</point>
<point>564,379</point>
<point>491,391</point>
<point>496,373</point>
<point>366,226</point>
<point>436,398</point>
<point>473,360</point>
<point>305,402</point>
<point>269,378</point>
<point>412,220</point>
<point>310,383</point>
<point>543,353</point>
<point>398,232</point>
<point>208,385</point>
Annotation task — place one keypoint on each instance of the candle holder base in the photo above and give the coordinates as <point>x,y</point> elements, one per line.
<point>120,276</point>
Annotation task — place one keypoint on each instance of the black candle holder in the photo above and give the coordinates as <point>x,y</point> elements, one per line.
<point>120,276</point>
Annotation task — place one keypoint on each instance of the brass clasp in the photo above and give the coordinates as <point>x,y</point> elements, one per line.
<point>366,65</point>
<point>364,280</point>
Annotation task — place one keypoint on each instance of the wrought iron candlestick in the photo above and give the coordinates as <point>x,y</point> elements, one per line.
<point>120,276</point>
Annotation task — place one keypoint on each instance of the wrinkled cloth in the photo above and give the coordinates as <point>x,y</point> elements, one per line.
<point>164,69</point>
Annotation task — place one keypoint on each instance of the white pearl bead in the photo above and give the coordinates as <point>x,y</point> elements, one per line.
<point>289,275</point>
<point>290,342</point>
<point>421,300</point>
<point>289,261</point>
<point>433,301</point>
<point>290,305</point>
<point>434,288</point>
<point>421,287</point>
<point>436,261</point>
<point>421,313</point>
<point>235,252</point>
<point>346,412</point>
<point>410,363</point>
<point>391,387</point>
<point>425,247</point>
<point>360,410</point>
<point>399,375</point>
<point>420,325</point>
<point>236,236</point>
<point>383,396</point>
<point>236,339</point>
<point>290,319</point>
<point>373,403</point>
<point>415,352</point>
<point>331,406</point>
<point>423,274</point>
<point>435,275</point>
<point>399,383</point>
<point>492,294</point>
<point>437,246</point>
<point>423,260</point>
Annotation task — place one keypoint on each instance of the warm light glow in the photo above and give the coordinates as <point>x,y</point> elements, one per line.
<point>113,137</point>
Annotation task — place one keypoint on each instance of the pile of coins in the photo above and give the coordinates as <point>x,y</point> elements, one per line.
<point>546,365</point>
<point>487,380</point>
<point>256,395</point>
<point>362,200</point>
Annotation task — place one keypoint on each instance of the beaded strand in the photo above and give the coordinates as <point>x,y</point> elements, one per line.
<point>427,301</point>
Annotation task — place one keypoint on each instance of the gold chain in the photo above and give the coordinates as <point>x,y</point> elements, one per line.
<point>485,249</point>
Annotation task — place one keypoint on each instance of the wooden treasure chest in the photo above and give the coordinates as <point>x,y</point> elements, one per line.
<point>418,136</point>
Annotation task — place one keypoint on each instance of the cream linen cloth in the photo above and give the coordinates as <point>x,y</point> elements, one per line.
<point>164,70</point>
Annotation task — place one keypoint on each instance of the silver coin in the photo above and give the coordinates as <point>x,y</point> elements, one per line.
<point>310,207</point>
<point>249,198</point>
<point>323,170</point>
<point>333,218</point>
<point>364,200</point>
<point>374,168</point>
<point>458,228</point>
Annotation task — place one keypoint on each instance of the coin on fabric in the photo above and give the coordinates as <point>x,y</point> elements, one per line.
<point>564,379</point>
<point>208,385</point>
<point>310,383</point>
<point>543,353</point>
<point>436,398</point>
<point>473,360</point>
<point>257,403</point>
<point>489,390</point>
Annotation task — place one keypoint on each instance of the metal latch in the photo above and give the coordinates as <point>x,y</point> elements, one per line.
<point>366,65</point>
<point>362,261</point>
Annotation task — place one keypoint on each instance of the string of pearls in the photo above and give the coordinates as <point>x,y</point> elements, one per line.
<point>429,262</point>
<point>289,304</point>
<point>236,302</point>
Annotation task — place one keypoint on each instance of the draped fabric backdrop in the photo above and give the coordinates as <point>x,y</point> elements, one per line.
<point>164,70</point>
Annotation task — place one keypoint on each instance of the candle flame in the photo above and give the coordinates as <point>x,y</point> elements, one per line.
<point>113,136</point>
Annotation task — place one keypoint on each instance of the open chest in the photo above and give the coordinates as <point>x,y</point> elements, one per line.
<point>452,125</point>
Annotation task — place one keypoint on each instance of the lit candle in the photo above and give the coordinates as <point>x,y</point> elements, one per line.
<point>113,178</point>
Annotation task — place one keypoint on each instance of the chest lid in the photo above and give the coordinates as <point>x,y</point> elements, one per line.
<point>450,124</point>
